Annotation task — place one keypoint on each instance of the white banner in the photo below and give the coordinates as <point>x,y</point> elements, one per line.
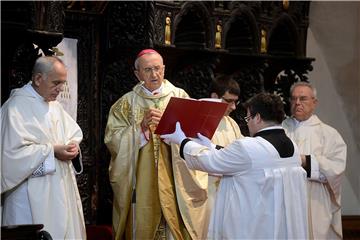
<point>68,98</point>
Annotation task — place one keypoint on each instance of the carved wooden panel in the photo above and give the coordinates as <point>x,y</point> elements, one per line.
<point>241,32</point>
<point>129,24</point>
<point>86,29</point>
<point>21,23</point>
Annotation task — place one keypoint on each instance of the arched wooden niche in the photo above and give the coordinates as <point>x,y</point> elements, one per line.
<point>283,39</point>
<point>192,26</point>
<point>241,32</point>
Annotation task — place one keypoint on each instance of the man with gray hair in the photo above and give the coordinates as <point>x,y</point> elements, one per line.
<point>155,195</point>
<point>323,155</point>
<point>39,142</point>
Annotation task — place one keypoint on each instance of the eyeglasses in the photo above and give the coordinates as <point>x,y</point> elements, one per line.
<point>301,99</point>
<point>247,118</point>
<point>155,69</point>
<point>231,101</point>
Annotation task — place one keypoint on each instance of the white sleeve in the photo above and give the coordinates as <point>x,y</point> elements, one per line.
<point>226,161</point>
<point>143,140</point>
<point>315,174</point>
<point>46,167</point>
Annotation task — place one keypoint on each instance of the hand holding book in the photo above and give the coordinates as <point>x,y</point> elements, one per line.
<point>150,121</point>
<point>195,116</point>
<point>151,118</point>
<point>204,141</point>
<point>176,137</point>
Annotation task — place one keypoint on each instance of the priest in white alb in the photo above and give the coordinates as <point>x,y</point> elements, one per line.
<point>39,142</point>
<point>323,153</point>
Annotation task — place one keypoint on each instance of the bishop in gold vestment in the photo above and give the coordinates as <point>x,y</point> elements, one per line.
<point>168,194</point>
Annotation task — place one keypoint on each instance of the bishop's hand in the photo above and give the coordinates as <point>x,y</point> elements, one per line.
<point>151,119</point>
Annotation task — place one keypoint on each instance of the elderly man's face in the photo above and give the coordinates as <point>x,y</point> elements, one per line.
<point>151,71</point>
<point>302,102</point>
<point>51,84</point>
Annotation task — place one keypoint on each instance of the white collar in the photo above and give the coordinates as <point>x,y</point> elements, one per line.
<point>156,91</point>
<point>30,89</point>
<point>271,127</point>
<point>297,122</point>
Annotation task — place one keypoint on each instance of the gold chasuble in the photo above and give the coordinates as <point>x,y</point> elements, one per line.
<point>166,190</point>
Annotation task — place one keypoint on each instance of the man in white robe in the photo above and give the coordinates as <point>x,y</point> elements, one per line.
<point>323,153</point>
<point>39,141</point>
<point>262,191</point>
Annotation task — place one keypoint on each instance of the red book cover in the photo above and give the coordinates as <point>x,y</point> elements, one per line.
<point>195,116</point>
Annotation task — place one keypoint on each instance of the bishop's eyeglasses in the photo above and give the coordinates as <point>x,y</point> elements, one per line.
<point>155,69</point>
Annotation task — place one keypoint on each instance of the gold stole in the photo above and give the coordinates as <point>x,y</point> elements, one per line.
<point>155,193</point>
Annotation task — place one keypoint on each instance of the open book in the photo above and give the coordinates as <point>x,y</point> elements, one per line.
<point>195,116</point>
